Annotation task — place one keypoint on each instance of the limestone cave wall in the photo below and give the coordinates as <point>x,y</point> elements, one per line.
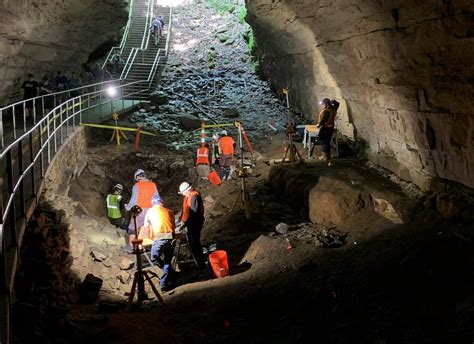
<point>49,35</point>
<point>402,69</point>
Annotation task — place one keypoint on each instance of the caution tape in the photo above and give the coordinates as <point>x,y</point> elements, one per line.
<point>103,126</point>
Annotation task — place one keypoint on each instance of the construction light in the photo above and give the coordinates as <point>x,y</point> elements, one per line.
<point>112,91</point>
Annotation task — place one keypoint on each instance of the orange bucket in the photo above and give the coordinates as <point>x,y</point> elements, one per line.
<point>220,266</point>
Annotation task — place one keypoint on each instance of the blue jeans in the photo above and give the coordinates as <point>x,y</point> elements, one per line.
<point>162,252</point>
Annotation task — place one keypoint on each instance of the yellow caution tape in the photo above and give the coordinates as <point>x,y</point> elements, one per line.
<point>103,126</point>
<point>215,125</point>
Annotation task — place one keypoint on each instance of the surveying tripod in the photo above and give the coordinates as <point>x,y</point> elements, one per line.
<point>177,248</point>
<point>138,285</point>
<point>294,154</point>
<point>242,172</point>
<point>117,133</point>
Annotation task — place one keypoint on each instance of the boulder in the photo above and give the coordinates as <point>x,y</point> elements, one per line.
<point>282,228</point>
<point>123,277</point>
<point>231,113</point>
<point>159,99</point>
<point>332,201</point>
<point>448,207</point>
<point>216,213</point>
<point>209,199</point>
<point>126,264</point>
<point>98,256</point>
<point>189,122</point>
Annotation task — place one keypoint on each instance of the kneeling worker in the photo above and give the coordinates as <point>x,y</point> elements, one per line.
<point>192,217</point>
<point>114,212</point>
<point>159,221</point>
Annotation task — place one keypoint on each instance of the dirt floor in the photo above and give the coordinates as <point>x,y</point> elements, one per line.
<point>366,259</point>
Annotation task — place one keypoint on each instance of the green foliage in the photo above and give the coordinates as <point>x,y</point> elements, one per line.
<point>249,38</point>
<point>212,56</point>
<point>222,6</point>
<point>242,14</point>
<point>251,42</point>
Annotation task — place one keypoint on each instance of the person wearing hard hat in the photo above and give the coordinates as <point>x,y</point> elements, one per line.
<point>142,193</point>
<point>114,212</point>
<point>192,217</point>
<point>203,166</point>
<point>326,121</point>
<point>226,150</point>
<point>159,223</point>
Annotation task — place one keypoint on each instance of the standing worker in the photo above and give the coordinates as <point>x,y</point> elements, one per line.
<point>326,120</point>
<point>114,212</point>
<point>142,193</point>
<point>192,217</point>
<point>226,159</point>
<point>203,166</point>
<point>159,221</point>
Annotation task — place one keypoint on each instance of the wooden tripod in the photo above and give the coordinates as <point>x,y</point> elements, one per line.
<point>294,154</point>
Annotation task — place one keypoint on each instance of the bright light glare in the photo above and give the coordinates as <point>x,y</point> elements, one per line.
<point>112,91</point>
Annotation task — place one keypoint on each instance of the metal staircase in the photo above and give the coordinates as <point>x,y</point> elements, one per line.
<point>28,147</point>
<point>144,59</point>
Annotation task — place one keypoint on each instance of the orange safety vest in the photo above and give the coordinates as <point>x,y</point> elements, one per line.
<point>160,221</point>
<point>146,190</point>
<point>214,178</point>
<point>227,145</point>
<point>202,156</point>
<point>331,119</point>
<point>186,214</point>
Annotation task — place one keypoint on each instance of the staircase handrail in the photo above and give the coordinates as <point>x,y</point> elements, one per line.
<point>40,100</point>
<point>27,154</point>
<point>24,135</point>
<point>129,63</point>
<point>156,62</point>
<point>110,55</point>
<point>149,18</point>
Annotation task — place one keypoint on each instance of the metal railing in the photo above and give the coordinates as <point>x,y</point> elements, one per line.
<point>154,66</point>
<point>118,50</point>
<point>23,165</point>
<point>28,150</point>
<point>13,117</point>
<point>157,60</point>
<point>149,19</point>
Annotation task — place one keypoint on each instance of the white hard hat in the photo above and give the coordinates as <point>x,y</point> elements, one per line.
<point>156,200</point>
<point>224,132</point>
<point>185,186</point>
<point>138,173</point>
<point>118,186</point>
